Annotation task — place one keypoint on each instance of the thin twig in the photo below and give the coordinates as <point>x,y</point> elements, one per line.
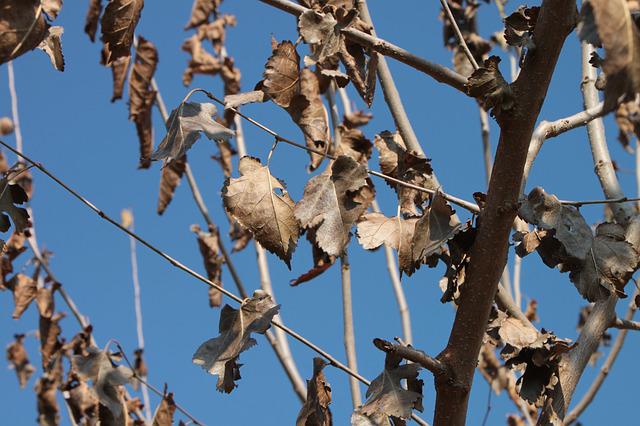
<point>606,366</point>
<point>461,41</point>
<point>348,328</point>
<point>486,142</point>
<point>438,72</point>
<point>411,354</point>
<point>626,324</point>
<point>14,106</point>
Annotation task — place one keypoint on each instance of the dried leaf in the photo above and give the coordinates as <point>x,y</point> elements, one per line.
<point>396,161</point>
<point>333,201</point>
<point>164,412</point>
<point>50,344</point>
<point>52,8</point>
<point>487,85</point>
<point>519,27</point>
<point>610,23</point>
<point>200,12</point>
<point>92,19</point>
<point>218,355</point>
<point>52,46</point>
<point>118,26</point>
<point>99,367</point>
<point>169,181</point>
<point>17,356</point>
<point>240,235</point>
<point>322,31</point>
<point>81,399</point>
<point>21,29</point>
<point>361,71</point>
<point>201,61</point>
<point>281,74</point>
<point>260,203</point>
<point>609,265</point>
<point>48,411</point>
<point>24,292</point>
<point>6,126</point>
<point>354,144</point>
<point>315,411</point>
<point>215,31</point>
<point>45,300</point>
<point>139,367</point>
<point>529,241</point>
<point>184,127</point>
<point>357,119</point>
<point>119,71</point>
<point>234,101</point>
<point>628,119</point>
<point>210,252</point>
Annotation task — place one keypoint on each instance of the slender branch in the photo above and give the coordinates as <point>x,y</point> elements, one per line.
<point>461,42</point>
<point>411,354</point>
<point>625,325</point>
<point>607,201</point>
<point>14,106</point>
<point>349,334</point>
<point>438,72</point>
<point>486,143</point>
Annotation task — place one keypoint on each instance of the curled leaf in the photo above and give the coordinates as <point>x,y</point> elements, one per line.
<point>488,86</point>
<point>200,12</point>
<point>281,74</point>
<point>118,25</point>
<point>169,181</point>
<point>519,26</point>
<point>24,291</point>
<point>19,360</point>
<point>92,19</point>
<point>52,46</point>
<point>315,411</point>
<point>210,252</point>
<point>165,411</point>
<point>21,28</point>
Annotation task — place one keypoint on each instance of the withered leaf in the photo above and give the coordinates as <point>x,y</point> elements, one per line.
<point>92,19</point>
<point>321,261</point>
<point>281,74</point>
<point>609,265</point>
<point>218,355</point>
<point>119,71</point>
<point>487,85</point>
<point>333,201</point>
<point>215,31</point>
<point>260,203</point>
<point>315,411</point>
<point>240,235</point>
<point>529,241</point>
<point>169,181</point>
<point>200,12</point>
<point>17,356</point>
<point>81,399</point>
<point>201,61</point>
<point>357,118</point>
<point>396,161</point>
<point>184,127</point>
<point>519,26</point>
<point>609,22</point>
<point>11,194</point>
<point>322,31</point>
<point>24,292</point>
<point>118,25</point>
<point>354,144</point>
<point>386,397</point>
<point>375,229</point>
<point>99,367</point>
<point>165,411</point>
<point>628,120</point>
<point>139,367</point>
<point>234,101</point>
<point>360,69</point>
<point>52,8</point>
<point>50,343</point>
<point>210,252</point>
<point>45,300</point>
<point>52,46</point>
<point>48,411</point>
<point>21,29</point>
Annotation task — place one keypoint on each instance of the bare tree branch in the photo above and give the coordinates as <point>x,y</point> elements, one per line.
<point>411,354</point>
<point>348,329</point>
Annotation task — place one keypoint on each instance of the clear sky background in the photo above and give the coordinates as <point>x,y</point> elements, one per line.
<point>69,124</point>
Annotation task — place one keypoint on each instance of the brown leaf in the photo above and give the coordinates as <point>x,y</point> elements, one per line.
<point>281,74</point>
<point>21,29</point>
<point>321,261</point>
<point>164,412</point>
<point>234,101</point>
<point>45,300</point>
<point>184,127</point>
<point>92,19</point>
<point>354,144</point>
<point>321,30</point>
<point>529,241</point>
<point>139,367</point>
<point>218,355</point>
<point>357,118</point>
<point>119,71</point>
<point>215,31</point>
<point>225,157</point>
<point>487,85</point>
<point>240,235</point>
<point>201,61</point>
<point>519,26</point>
<point>396,161</point>
<point>361,71</point>
<point>200,12</point>
<point>169,181</point>
<point>52,8</point>
<point>210,252</point>
<point>628,119</point>
<point>50,330</point>
<point>610,23</point>
<point>260,203</point>
<point>142,97</point>
<point>6,126</point>
<point>17,356</point>
<point>118,26</point>
<point>333,201</point>
<point>52,46</point>
<point>48,411</point>
<point>24,292</point>
<point>315,411</point>
<point>81,399</point>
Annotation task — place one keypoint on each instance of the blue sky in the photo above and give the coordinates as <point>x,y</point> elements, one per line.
<point>69,124</point>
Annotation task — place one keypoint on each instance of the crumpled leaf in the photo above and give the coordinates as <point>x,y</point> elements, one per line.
<point>24,292</point>
<point>234,101</point>
<point>200,12</point>
<point>323,32</point>
<point>457,261</point>
<point>215,31</point>
<point>321,261</point>
<point>519,27</point>
<point>119,72</point>
<point>528,241</point>
<point>52,46</point>
<point>260,203</point>
<point>333,201</point>
<point>315,411</point>
<point>92,18</point>
<point>308,112</point>
<point>628,120</point>
<point>282,74</point>
<point>218,356</point>
<point>142,97</point>
<point>489,87</point>
<point>21,30</point>
<point>396,161</point>
<point>360,64</point>
<point>183,130</point>
<point>81,399</point>
<point>118,26</point>
<point>50,331</point>
<point>609,22</point>
<point>357,119</point>
<point>106,377</point>
<point>48,411</point>
<point>165,411</point>
<point>51,8</point>
<point>609,265</point>
<point>210,252</point>
<point>386,397</point>
<point>240,235</point>
<point>201,61</point>
<point>354,144</point>
<point>169,181</point>
<point>19,360</point>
